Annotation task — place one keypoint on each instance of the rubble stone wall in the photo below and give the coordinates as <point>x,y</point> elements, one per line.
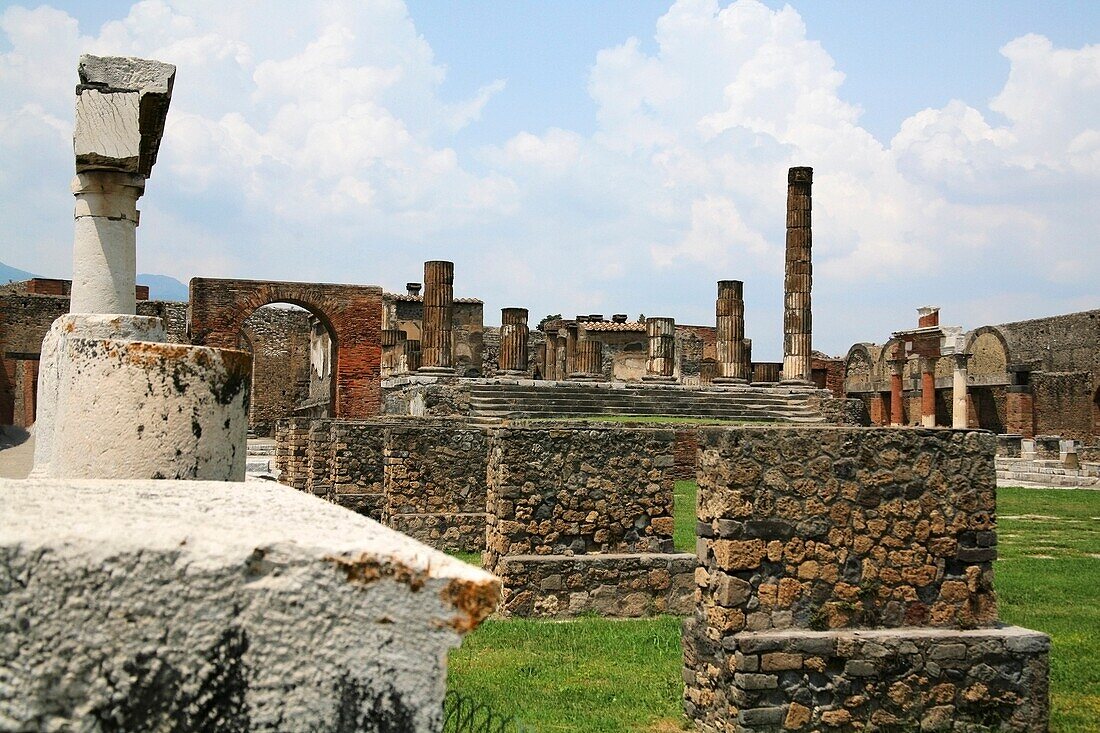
<point>846,578</point>
<point>434,484</point>
<point>579,515</point>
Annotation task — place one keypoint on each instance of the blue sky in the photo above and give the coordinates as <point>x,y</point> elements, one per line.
<point>581,157</point>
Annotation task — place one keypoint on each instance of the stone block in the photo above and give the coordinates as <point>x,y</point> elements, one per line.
<point>194,606</point>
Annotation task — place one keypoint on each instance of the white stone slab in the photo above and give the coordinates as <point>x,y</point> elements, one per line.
<point>156,605</point>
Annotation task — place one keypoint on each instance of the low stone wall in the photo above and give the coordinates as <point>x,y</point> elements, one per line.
<point>292,451</point>
<point>589,509</point>
<point>434,484</point>
<point>630,585</point>
<point>807,530</point>
<point>424,396</point>
<point>911,679</point>
<point>357,467</point>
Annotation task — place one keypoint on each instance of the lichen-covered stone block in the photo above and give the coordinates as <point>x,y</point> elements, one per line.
<point>201,606</point>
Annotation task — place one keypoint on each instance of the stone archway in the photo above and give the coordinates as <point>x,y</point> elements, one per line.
<point>352,314</point>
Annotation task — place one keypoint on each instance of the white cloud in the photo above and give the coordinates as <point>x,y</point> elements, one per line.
<point>322,145</point>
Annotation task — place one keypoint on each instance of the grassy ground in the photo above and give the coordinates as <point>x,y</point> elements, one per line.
<point>605,676</point>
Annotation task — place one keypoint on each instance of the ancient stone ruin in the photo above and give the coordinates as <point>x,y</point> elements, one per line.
<point>153,603</point>
<point>846,581</point>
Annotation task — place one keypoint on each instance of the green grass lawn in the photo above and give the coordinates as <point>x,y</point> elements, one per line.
<point>604,676</point>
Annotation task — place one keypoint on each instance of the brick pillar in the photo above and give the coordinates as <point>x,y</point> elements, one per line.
<point>897,410</point>
<point>588,362</point>
<point>729,311</point>
<point>513,341</point>
<point>928,392</point>
<point>879,409</point>
<point>436,346</point>
<point>1020,411</point>
<point>960,402</point>
<point>661,338</point>
<point>798,278</point>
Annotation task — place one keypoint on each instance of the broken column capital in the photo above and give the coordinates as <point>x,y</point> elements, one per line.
<point>121,105</point>
<point>111,194</point>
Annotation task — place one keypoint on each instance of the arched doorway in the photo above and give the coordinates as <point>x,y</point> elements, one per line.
<point>293,354</point>
<point>351,315</point>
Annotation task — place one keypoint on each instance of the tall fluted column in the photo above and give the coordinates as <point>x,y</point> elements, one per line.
<point>661,337</point>
<point>928,392</point>
<point>513,341</point>
<point>729,312</point>
<point>797,320</point>
<point>960,402</point>
<point>435,334</point>
<point>588,359</point>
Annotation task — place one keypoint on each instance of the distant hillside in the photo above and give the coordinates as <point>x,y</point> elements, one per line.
<point>162,287</point>
<point>13,274</point>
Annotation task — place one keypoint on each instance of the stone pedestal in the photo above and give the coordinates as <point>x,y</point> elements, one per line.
<point>435,336</point>
<point>513,341</point>
<point>798,279</point>
<point>732,362</point>
<point>661,340</point>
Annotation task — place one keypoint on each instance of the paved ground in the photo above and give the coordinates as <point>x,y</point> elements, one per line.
<point>16,452</point>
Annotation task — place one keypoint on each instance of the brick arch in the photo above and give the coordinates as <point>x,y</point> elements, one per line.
<point>352,314</point>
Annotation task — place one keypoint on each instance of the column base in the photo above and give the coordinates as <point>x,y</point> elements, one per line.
<point>658,379</point>
<point>729,380</point>
<point>795,383</point>
<point>928,421</point>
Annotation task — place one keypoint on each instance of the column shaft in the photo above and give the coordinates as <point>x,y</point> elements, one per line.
<point>729,309</point>
<point>105,242</point>
<point>960,403</point>
<point>661,338</point>
<point>513,340</point>
<point>928,392</point>
<point>436,344</point>
<point>897,410</point>
<point>798,278</point>
<point>588,362</point>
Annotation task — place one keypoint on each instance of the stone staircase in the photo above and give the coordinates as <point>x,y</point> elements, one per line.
<point>492,402</point>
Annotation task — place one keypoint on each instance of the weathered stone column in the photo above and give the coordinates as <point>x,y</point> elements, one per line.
<point>897,375</point>
<point>588,361</point>
<point>960,402</point>
<point>661,337</point>
<point>550,358</point>
<point>798,279</point>
<point>117,402</point>
<point>928,391</point>
<point>729,312</point>
<point>435,333</point>
<point>513,341</point>
<point>121,105</point>
<point>569,357</point>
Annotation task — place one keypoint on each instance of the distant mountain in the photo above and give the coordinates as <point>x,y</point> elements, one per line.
<point>13,274</point>
<point>162,287</point>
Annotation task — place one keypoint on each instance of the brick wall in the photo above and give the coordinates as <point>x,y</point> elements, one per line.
<point>353,314</point>
<point>1063,404</point>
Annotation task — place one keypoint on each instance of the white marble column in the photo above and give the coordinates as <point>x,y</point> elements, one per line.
<point>960,403</point>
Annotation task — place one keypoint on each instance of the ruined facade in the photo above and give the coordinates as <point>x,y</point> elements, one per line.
<point>1037,377</point>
